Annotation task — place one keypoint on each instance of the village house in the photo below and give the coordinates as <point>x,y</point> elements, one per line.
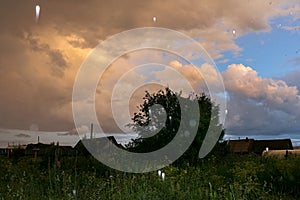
<point>105,143</point>
<point>246,146</point>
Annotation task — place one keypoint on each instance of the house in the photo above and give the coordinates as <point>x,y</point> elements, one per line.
<point>66,151</point>
<point>258,146</point>
<point>14,150</point>
<point>40,149</point>
<point>282,144</point>
<point>3,151</point>
<point>241,146</point>
<point>103,143</point>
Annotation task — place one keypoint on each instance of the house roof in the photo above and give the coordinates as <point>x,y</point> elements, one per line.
<point>99,142</point>
<point>282,144</point>
<point>258,146</point>
<point>38,146</point>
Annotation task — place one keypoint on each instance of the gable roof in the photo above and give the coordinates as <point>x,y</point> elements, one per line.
<point>103,143</point>
<point>282,144</point>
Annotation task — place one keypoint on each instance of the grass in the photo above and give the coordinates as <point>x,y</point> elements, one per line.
<point>230,177</point>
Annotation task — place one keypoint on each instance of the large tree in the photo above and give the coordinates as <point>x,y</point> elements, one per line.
<point>169,104</point>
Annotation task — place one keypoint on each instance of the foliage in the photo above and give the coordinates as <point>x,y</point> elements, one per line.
<point>149,119</point>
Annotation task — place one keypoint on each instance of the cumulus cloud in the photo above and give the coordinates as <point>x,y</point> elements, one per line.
<point>39,61</point>
<point>256,105</point>
<point>212,21</point>
<point>245,81</point>
<point>260,105</point>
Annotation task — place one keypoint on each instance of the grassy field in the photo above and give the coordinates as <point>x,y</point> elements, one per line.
<point>226,177</point>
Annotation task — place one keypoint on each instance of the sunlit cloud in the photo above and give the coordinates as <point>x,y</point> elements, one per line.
<point>38,63</point>
<point>260,105</point>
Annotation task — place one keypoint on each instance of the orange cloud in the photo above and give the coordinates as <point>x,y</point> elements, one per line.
<point>39,61</point>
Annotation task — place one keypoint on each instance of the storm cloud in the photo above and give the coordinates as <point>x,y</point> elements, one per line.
<point>39,60</point>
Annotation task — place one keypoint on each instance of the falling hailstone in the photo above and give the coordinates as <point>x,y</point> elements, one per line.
<point>163,175</point>
<point>234,32</point>
<point>37,12</point>
<point>154,19</point>
<point>159,173</point>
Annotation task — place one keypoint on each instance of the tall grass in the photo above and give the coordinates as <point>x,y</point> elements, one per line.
<point>233,177</point>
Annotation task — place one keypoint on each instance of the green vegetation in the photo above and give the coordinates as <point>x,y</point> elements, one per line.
<point>150,117</point>
<point>215,177</point>
<point>220,175</point>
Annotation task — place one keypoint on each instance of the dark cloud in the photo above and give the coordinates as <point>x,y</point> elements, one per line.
<point>58,61</point>
<point>96,20</point>
<point>39,61</point>
<point>29,92</point>
<point>23,135</point>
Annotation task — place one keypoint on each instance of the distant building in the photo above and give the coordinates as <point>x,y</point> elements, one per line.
<point>67,151</point>
<point>40,149</point>
<point>13,150</point>
<point>103,144</point>
<point>241,146</point>
<point>282,144</point>
<point>245,146</point>
<point>3,151</point>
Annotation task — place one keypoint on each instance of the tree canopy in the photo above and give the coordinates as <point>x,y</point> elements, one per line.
<point>159,118</point>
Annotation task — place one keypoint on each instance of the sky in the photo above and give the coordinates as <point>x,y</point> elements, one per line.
<point>254,44</point>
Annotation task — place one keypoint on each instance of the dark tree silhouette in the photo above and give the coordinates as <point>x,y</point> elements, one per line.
<point>149,119</point>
